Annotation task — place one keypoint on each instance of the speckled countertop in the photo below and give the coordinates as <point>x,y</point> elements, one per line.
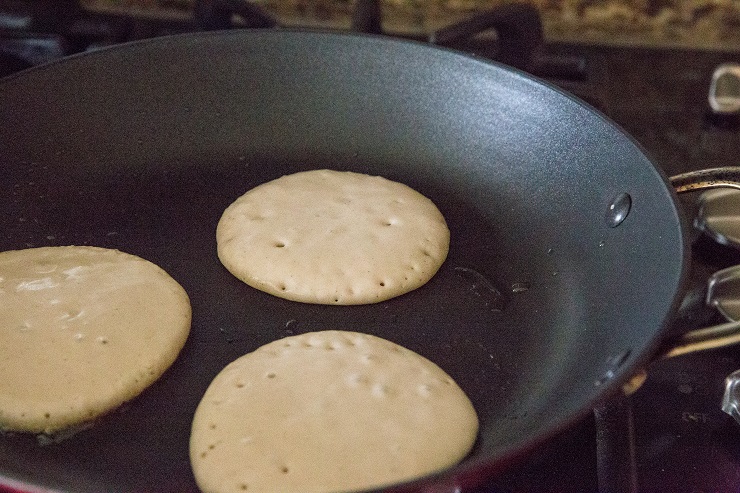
<point>705,24</point>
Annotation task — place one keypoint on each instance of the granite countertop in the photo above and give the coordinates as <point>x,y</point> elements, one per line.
<point>705,24</point>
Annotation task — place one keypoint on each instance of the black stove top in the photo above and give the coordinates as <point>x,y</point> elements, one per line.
<point>682,440</point>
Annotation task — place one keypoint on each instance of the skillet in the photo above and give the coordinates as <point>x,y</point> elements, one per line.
<point>568,253</point>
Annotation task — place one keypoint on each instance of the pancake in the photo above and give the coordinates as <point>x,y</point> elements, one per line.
<point>84,329</point>
<point>326,412</point>
<point>332,237</point>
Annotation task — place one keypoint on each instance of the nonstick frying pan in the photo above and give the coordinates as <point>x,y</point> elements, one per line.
<point>568,252</point>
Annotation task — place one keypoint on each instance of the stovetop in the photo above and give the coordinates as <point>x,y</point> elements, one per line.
<point>683,442</point>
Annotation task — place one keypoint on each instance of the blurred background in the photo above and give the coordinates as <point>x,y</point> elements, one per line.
<point>709,24</point>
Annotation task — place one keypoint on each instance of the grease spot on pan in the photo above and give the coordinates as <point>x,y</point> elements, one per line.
<point>480,287</point>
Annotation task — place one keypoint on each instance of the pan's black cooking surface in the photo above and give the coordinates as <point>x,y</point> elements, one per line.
<point>684,442</point>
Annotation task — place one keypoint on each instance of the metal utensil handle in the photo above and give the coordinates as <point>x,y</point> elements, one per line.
<point>713,337</point>
<point>705,179</point>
